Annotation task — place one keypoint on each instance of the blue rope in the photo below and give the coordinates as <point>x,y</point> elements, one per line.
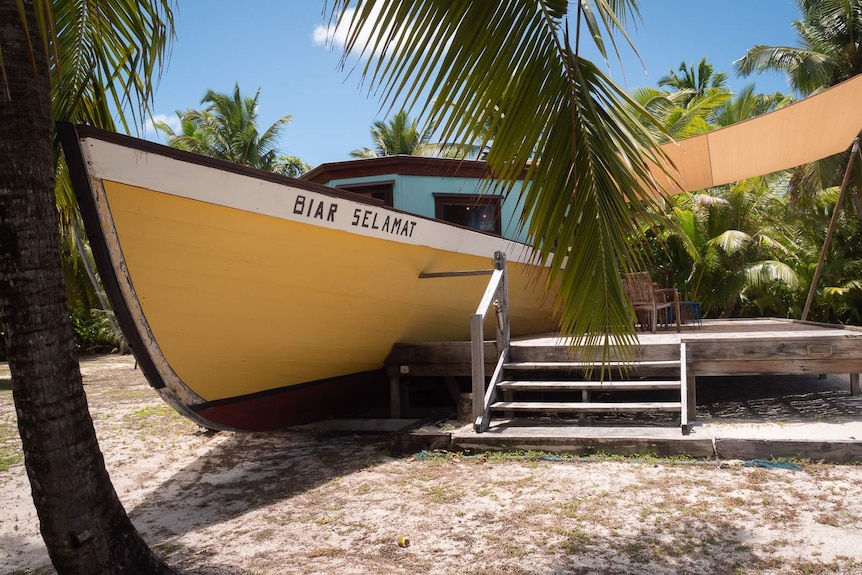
<point>772,464</point>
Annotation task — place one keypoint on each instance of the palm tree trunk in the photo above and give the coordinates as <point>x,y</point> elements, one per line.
<point>83,523</point>
<point>729,307</point>
<point>830,230</point>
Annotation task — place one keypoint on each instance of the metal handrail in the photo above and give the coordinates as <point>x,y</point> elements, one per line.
<point>496,296</point>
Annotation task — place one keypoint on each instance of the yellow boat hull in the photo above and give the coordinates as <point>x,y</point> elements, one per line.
<point>254,301</point>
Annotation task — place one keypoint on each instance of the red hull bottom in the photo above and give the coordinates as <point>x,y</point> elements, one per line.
<point>296,405</point>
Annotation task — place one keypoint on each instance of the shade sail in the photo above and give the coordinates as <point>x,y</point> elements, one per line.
<point>803,132</point>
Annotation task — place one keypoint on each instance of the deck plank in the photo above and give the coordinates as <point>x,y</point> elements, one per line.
<point>587,406</point>
<point>543,385</point>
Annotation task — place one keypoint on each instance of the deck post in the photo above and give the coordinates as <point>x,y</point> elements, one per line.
<point>684,393</point>
<point>477,348</point>
<point>395,396</point>
<point>691,387</point>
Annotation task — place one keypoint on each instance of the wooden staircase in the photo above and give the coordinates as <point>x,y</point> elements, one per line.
<point>558,369</point>
<point>557,384</point>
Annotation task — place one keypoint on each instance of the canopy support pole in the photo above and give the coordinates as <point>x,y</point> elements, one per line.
<point>819,270</point>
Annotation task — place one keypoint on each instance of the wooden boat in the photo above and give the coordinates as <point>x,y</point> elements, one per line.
<point>255,301</point>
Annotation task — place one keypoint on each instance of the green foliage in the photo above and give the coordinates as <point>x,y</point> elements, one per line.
<point>227,129</point>
<point>828,50</point>
<point>747,251</point>
<point>727,247</point>
<point>839,295</point>
<point>93,332</point>
<point>774,298</point>
<point>292,166</point>
<point>401,135</point>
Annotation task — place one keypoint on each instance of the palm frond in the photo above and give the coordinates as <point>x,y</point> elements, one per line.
<point>731,241</point>
<point>108,56</point>
<point>765,272</point>
<point>586,155</point>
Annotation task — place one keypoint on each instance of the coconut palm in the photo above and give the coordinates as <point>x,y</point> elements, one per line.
<point>401,135</point>
<point>677,114</point>
<point>829,52</point>
<point>585,158</point>
<point>64,60</point>
<point>726,245</point>
<point>744,248</point>
<point>696,83</point>
<point>227,129</point>
<point>748,104</point>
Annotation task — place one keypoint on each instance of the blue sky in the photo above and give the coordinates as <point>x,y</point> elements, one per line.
<point>270,44</point>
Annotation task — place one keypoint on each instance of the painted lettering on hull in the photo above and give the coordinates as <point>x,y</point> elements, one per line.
<point>389,223</point>
<point>316,209</point>
<point>368,218</point>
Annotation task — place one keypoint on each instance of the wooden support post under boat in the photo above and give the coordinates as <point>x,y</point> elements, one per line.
<point>855,388</point>
<point>452,386</point>
<point>585,398</point>
<point>395,396</point>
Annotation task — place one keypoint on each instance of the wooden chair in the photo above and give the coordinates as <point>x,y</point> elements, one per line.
<point>647,297</point>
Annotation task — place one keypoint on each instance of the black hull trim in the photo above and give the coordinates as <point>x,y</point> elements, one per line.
<point>68,135</point>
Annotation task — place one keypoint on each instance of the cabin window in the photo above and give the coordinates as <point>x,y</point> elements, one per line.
<point>477,212</point>
<point>380,191</point>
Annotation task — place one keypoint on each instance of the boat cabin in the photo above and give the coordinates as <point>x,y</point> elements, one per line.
<point>455,191</point>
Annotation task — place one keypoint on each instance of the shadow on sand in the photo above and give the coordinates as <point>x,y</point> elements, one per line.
<point>248,471</point>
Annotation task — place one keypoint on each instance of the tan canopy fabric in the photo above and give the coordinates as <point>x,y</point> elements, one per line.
<point>809,130</point>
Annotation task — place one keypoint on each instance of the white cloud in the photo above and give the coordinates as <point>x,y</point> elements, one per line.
<point>149,131</point>
<point>333,36</point>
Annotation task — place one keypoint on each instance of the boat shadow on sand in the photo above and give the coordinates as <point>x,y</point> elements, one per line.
<point>245,472</point>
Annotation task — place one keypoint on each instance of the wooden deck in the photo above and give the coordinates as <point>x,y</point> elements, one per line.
<point>718,347</point>
<point>750,347</point>
<point>715,348</point>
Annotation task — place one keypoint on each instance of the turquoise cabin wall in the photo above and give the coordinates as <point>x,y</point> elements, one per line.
<point>415,194</point>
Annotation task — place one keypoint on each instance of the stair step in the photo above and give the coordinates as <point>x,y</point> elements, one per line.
<point>579,365</point>
<point>584,407</point>
<point>625,385</point>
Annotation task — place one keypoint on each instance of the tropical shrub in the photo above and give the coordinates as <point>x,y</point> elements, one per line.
<point>93,333</point>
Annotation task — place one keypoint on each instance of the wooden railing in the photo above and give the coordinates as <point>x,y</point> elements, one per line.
<point>496,296</point>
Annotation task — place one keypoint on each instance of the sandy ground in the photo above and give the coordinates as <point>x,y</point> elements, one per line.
<point>304,502</point>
